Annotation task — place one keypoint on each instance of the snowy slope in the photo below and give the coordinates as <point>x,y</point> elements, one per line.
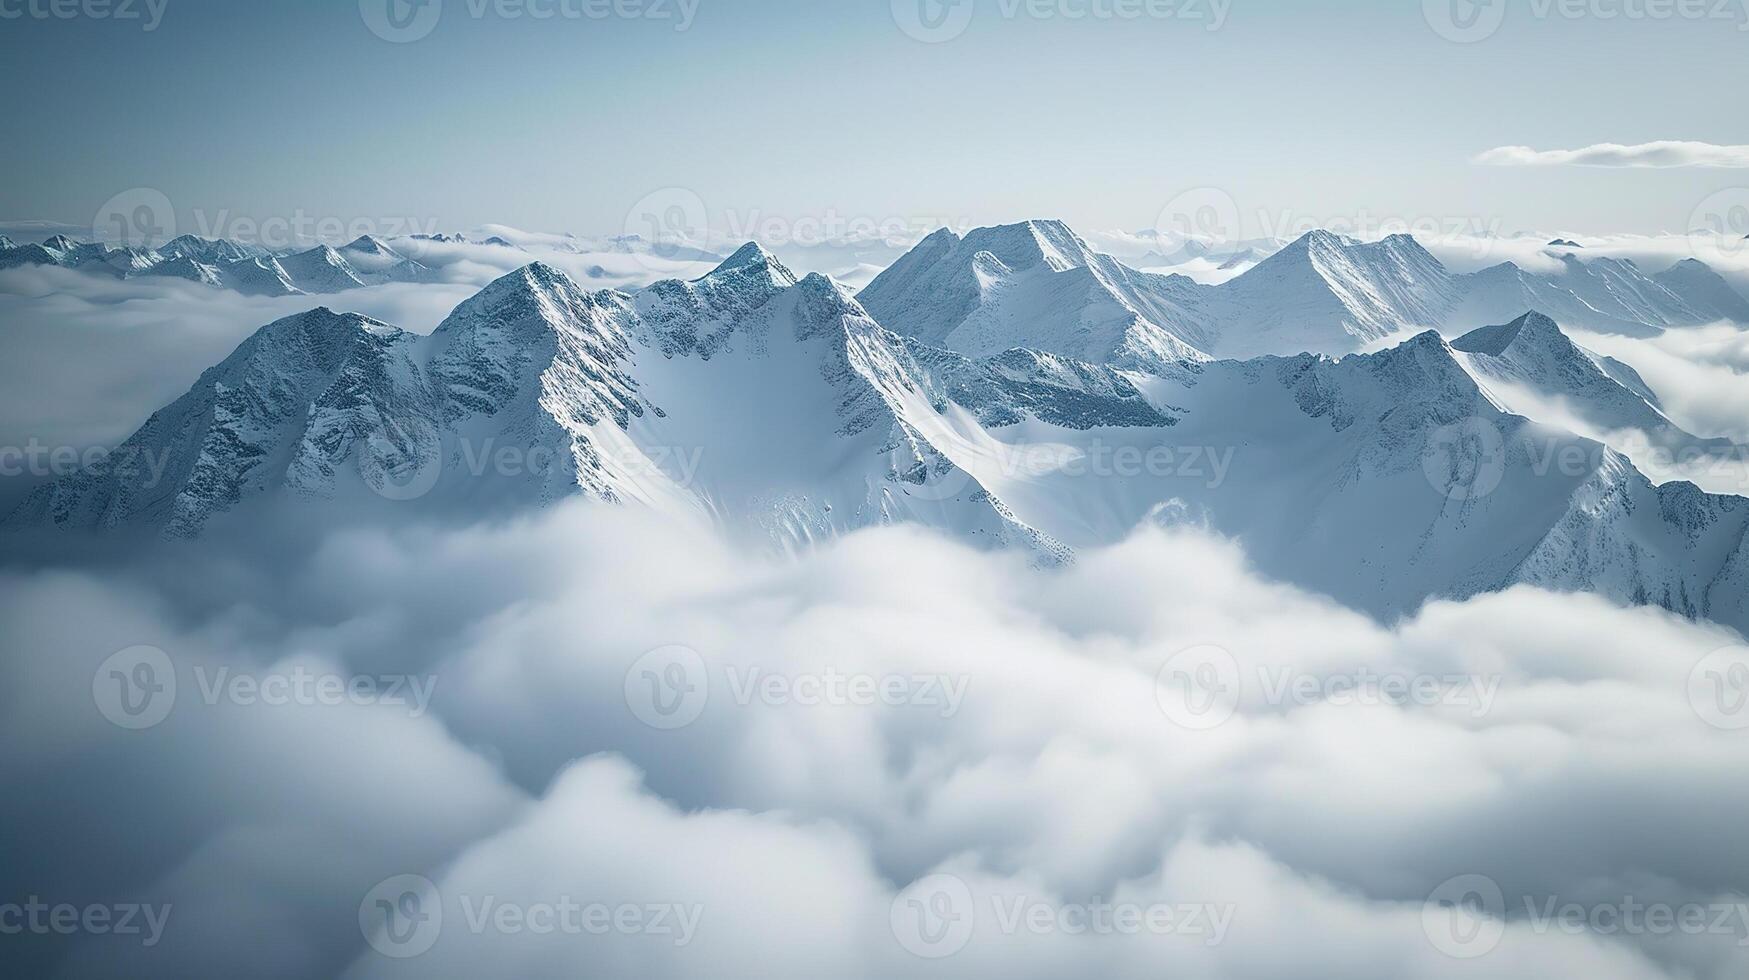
<point>1331,294</point>
<point>183,267</point>
<point>1705,291</point>
<point>320,270</point>
<point>258,277</point>
<point>1037,285</point>
<point>276,414</point>
<point>1532,367</point>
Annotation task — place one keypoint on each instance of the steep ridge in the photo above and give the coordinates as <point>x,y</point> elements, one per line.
<point>1704,291</point>
<point>1037,285</point>
<point>1329,293</point>
<point>1533,368</point>
<point>320,270</point>
<point>279,413</point>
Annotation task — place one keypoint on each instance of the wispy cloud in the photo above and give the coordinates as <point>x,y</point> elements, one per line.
<point>1662,153</point>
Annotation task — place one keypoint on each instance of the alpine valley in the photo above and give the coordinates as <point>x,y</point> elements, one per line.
<point>1355,413</point>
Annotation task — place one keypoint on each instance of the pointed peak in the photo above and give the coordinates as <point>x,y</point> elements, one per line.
<point>60,243</point>
<point>1496,340</point>
<point>521,289</point>
<point>752,253</point>
<point>1321,237</point>
<point>1026,244</point>
<point>367,244</point>
<point>322,251</point>
<point>753,258</point>
<point>321,331</point>
<point>940,237</point>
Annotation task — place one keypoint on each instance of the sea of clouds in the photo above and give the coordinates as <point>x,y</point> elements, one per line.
<point>590,744</point>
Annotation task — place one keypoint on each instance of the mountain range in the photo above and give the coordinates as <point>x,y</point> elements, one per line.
<point>248,269</point>
<point>1011,388</point>
<point>1041,285</point>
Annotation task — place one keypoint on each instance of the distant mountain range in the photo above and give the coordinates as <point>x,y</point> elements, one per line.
<point>1041,285</point>
<point>247,269</point>
<point>1011,387</point>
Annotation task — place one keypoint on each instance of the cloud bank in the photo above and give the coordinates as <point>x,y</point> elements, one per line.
<point>1660,154</point>
<point>649,754</point>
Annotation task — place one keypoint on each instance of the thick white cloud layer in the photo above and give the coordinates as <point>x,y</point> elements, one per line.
<point>893,756</point>
<point>1659,153</point>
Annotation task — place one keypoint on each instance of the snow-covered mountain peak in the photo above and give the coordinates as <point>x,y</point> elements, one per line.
<point>321,337</point>
<point>369,245</point>
<point>752,259</point>
<point>1533,328</point>
<point>1029,244</point>
<point>1330,293</point>
<point>1705,291</point>
<point>1038,285</point>
<point>536,297</point>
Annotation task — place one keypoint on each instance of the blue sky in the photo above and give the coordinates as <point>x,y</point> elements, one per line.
<point>794,108</point>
